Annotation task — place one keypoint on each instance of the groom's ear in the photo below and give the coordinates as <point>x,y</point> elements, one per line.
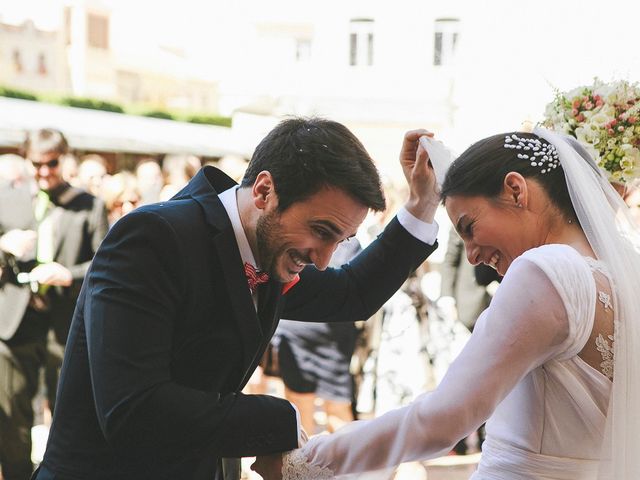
<point>515,189</point>
<point>264,192</point>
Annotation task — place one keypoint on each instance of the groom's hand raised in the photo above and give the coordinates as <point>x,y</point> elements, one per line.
<point>269,466</point>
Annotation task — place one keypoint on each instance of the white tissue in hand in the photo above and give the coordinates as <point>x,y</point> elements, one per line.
<point>439,155</point>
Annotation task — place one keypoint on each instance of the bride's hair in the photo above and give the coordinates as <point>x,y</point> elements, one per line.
<point>480,171</point>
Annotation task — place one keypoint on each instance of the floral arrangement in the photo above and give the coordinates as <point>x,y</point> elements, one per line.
<point>605,118</point>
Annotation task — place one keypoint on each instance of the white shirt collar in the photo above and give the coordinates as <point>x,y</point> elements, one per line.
<point>230,204</point>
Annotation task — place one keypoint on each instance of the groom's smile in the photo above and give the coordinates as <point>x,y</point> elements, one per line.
<point>307,232</point>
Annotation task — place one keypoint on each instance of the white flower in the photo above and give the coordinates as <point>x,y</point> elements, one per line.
<point>600,119</point>
<point>550,111</point>
<point>601,123</point>
<point>609,93</point>
<point>575,93</point>
<point>626,163</point>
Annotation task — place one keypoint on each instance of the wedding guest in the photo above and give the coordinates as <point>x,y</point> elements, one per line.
<point>91,173</point>
<point>553,363</point>
<point>460,292</point>
<point>14,171</point>
<point>183,297</point>
<point>69,168</point>
<point>177,170</point>
<point>150,180</point>
<point>120,194</point>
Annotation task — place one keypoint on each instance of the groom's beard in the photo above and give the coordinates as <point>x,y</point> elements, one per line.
<point>267,231</point>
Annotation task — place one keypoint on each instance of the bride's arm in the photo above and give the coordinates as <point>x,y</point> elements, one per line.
<point>525,326</point>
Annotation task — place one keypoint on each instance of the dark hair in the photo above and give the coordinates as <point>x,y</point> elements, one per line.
<point>45,140</point>
<point>480,171</point>
<point>304,155</point>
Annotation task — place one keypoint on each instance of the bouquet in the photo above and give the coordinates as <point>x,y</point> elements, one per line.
<point>605,118</point>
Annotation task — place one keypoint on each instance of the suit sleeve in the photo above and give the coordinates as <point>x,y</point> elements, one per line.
<point>135,290</point>
<point>358,289</point>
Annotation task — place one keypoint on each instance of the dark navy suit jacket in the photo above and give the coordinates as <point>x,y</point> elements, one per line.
<point>165,335</point>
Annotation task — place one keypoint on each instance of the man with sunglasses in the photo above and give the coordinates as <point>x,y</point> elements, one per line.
<point>49,242</point>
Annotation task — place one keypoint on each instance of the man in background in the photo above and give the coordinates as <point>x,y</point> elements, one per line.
<point>47,243</point>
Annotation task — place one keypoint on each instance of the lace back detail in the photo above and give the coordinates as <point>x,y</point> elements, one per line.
<point>295,466</point>
<point>605,299</point>
<point>606,350</point>
<point>604,342</point>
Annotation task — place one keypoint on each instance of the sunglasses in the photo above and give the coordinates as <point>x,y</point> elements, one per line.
<point>50,164</point>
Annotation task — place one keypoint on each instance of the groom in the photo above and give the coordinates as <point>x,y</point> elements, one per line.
<point>183,297</point>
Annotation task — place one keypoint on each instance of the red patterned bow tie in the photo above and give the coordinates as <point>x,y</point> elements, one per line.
<point>254,278</point>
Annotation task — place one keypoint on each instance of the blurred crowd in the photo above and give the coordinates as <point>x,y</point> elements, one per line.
<point>151,181</point>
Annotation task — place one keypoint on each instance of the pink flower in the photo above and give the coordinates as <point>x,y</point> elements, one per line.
<point>632,119</point>
<point>588,105</point>
<point>576,103</point>
<point>574,112</point>
<point>580,118</point>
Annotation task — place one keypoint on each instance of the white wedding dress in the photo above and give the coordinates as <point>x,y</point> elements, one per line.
<point>546,406</point>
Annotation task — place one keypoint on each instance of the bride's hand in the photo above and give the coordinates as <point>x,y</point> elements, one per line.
<point>423,191</point>
<point>269,467</point>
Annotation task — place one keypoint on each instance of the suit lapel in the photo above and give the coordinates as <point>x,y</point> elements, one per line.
<point>204,188</point>
<point>238,292</point>
<point>269,315</point>
<point>61,219</point>
<point>268,296</point>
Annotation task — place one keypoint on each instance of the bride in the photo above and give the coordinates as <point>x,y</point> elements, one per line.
<point>553,364</point>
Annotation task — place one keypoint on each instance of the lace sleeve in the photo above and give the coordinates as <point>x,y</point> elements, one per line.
<point>295,466</point>
<point>525,326</point>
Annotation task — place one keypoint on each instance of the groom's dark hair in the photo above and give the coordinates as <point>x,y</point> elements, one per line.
<point>303,155</point>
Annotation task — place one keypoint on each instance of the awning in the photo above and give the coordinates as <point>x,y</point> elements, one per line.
<point>114,132</point>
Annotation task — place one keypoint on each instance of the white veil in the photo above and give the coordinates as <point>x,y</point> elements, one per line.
<point>615,239</point>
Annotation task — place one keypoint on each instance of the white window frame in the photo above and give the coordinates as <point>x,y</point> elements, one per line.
<point>445,39</point>
<point>361,42</point>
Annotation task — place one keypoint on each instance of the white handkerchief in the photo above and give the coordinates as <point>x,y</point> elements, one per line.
<point>440,156</point>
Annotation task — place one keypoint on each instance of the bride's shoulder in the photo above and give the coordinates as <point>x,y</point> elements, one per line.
<point>555,253</point>
<point>560,262</point>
